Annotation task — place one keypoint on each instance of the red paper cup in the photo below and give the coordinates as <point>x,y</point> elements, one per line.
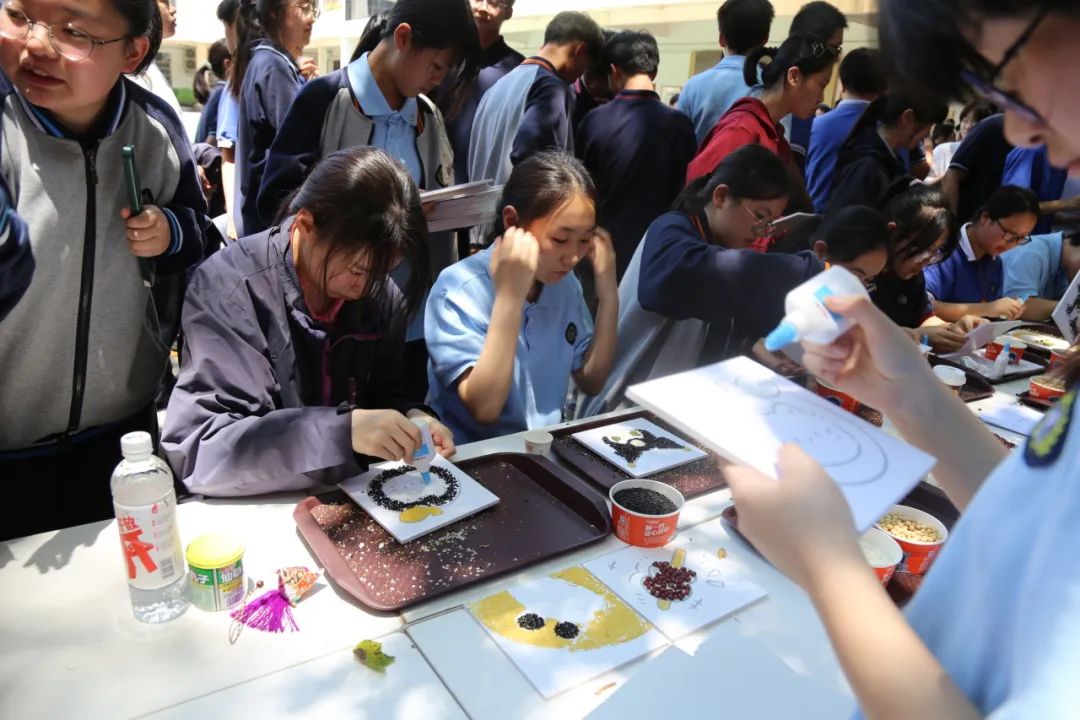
<point>1046,387</point>
<point>645,530</point>
<point>918,556</point>
<point>1016,350</point>
<point>1057,359</point>
<point>835,396</point>
<point>881,552</point>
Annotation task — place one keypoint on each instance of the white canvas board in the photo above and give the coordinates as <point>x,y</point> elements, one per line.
<point>1067,313</point>
<point>407,507</point>
<point>599,632</point>
<point>746,412</point>
<point>720,585</point>
<point>638,447</point>
<point>1036,339</point>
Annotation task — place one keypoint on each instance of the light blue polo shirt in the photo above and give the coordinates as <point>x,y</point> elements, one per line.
<point>710,94</point>
<point>394,130</point>
<point>555,334</point>
<point>228,117</point>
<point>1034,270</point>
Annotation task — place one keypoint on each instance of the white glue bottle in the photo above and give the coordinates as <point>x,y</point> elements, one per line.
<point>807,317</point>
<point>425,454</point>
<point>145,504</point>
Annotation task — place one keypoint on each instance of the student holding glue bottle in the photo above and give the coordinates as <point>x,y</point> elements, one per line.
<point>83,351</point>
<point>508,327</point>
<point>291,375</point>
<point>993,630</point>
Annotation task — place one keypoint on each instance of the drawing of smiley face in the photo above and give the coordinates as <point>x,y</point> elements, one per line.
<point>851,456</point>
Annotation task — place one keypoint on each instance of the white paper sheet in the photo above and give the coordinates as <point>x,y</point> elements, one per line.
<point>1067,313</point>
<point>983,335</point>
<point>407,508</point>
<point>746,413</point>
<point>1017,418</point>
<point>638,447</point>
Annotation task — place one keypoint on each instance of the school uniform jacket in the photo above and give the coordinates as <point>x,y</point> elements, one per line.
<point>686,302</point>
<point>84,346</point>
<point>746,123</point>
<point>865,166</point>
<point>262,401</point>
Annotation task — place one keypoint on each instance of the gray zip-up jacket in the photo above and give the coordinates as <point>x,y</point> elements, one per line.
<point>83,347</point>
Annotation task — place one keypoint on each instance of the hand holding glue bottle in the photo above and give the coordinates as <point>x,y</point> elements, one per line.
<point>807,317</point>
<point>424,454</point>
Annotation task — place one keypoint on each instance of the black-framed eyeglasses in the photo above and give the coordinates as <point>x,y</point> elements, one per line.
<point>1011,237</point>
<point>987,87</point>
<point>69,41</point>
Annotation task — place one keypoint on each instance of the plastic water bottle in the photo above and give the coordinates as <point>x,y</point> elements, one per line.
<point>807,317</point>
<point>145,504</point>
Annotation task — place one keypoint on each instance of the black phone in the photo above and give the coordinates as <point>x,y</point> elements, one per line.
<point>131,180</point>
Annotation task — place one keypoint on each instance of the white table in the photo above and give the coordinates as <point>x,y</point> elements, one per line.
<point>71,647</point>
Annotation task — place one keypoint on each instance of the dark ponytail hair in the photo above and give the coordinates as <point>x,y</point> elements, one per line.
<point>922,214</point>
<point>751,172</point>
<point>436,25</point>
<point>887,109</point>
<point>203,84</point>
<point>143,20</point>
<point>851,232</point>
<point>257,20</point>
<point>809,53</point>
<point>361,199</point>
<point>540,185</point>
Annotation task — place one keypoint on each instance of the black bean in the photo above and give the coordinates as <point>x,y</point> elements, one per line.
<point>530,621</point>
<point>567,630</point>
<point>645,501</point>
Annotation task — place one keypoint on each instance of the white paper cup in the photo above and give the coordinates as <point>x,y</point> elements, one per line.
<point>952,377</point>
<point>538,442</point>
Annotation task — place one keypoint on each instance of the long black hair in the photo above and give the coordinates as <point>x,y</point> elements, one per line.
<point>436,24</point>
<point>887,110</point>
<point>143,20</point>
<point>257,20</point>
<point>851,232</point>
<point>809,53</point>
<point>363,200</point>
<point>540,185</point>
<point>922,214</point>
<point>751,172</point>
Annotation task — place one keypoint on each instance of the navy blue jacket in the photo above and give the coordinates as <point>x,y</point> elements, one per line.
<point>865,166</point>
<point>16,256</point>
<point>982,154</point>
<point>459,104</point>
<point>637,150</point>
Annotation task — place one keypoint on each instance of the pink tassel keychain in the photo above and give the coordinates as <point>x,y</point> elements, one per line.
<point>272,611</point>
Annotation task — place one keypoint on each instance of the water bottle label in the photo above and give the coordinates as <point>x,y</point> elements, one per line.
<point>826,292</point>
<point>150,541</point>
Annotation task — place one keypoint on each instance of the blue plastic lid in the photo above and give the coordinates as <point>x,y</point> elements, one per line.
<point>784,334</point>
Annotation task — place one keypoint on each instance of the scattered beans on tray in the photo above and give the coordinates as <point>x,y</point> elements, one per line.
<point>908,529</point>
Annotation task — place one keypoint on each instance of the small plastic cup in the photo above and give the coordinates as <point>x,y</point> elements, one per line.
<point>835,396</point>
<point>1016,349</point>
<point>954,378</point>
<point>1046,387</point>
<point>918,556</point>
<point>647,531</point>
<point>881,552</point>
<point>538,442</point>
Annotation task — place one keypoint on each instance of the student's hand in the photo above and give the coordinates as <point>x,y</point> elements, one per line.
<point>602,258</point>
<point>1006,308</point>
<point>875,362</point>
<point>945,338</point>
<point>514,262</point>
<point>440,434</point>
<point>801,522</point>
<point>308,68</point>
<point>148,233</point>
<point>385,434</point>
<point>968,323</point>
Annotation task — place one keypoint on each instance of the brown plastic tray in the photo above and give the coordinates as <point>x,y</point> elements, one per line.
<point>693,479</point>
<point>976,388</point>
<point>1039,403</point>
<point>543,511</point>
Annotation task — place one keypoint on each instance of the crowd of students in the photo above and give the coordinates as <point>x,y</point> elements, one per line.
<point>631,240</point>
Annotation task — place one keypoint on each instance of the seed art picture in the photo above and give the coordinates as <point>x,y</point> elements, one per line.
<point>397,497</point>
<point>638,447</point>
<point>681,587</point>
<point>565,629</point>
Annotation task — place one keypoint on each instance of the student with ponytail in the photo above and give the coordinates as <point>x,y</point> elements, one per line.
<point>212,75</point>
<point>873,154</point>
<point>379,99</point>
<point>266,76</point>
<point>695,291</point>
<point>794,83</point>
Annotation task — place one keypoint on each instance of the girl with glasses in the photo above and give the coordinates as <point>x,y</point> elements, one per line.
<point>85,348</point>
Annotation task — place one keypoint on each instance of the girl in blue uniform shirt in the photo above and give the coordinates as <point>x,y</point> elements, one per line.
<point>971,281</point>
<point>266,75</point>
<point>84,350</point>
<point>508,329</point>
<point>291,369</point>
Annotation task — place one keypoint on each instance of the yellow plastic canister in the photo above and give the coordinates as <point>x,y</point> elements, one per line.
<point>216,571</point>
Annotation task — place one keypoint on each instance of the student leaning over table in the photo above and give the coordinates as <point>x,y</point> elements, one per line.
<point>1040,272</point>
<point>995,628</point>
<point>508,329</point>
<point>290,375</point>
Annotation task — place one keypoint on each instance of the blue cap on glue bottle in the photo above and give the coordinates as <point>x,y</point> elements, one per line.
<point>424,454</point>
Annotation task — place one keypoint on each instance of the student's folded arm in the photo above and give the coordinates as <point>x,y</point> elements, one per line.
<point>224,434</point>
<point>296,147</point>
<point>544,122</point>
<point>16,255</point>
